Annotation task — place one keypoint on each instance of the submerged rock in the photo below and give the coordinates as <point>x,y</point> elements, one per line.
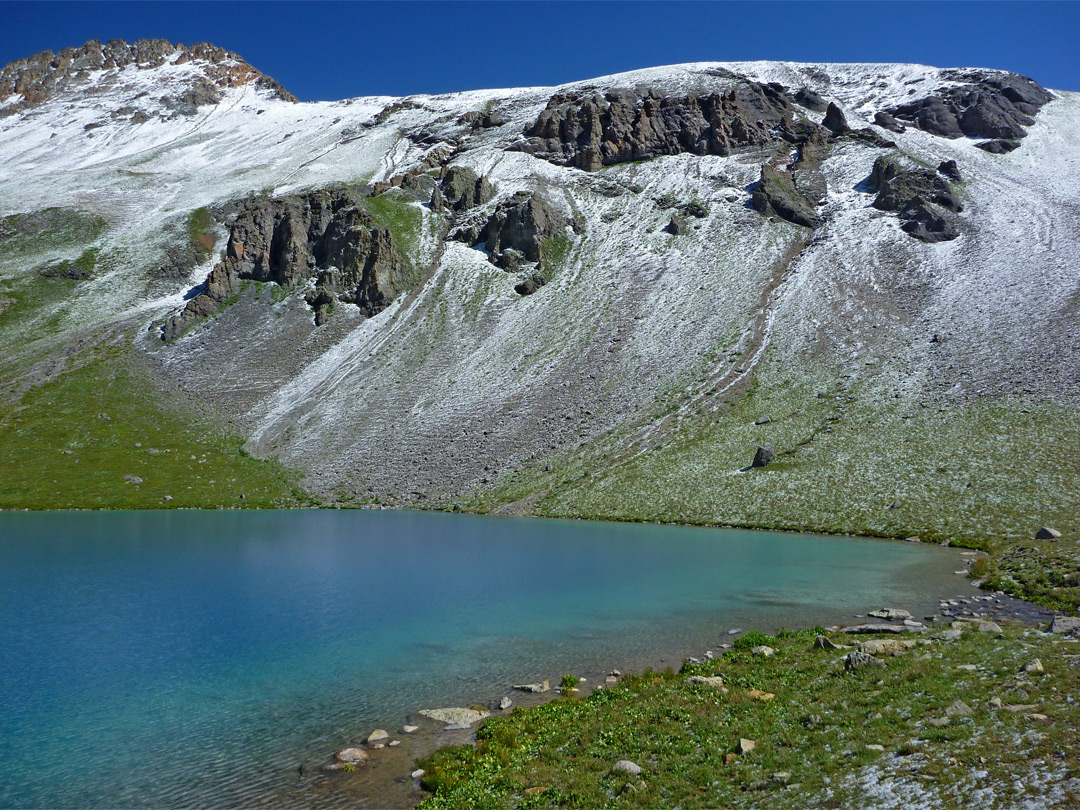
<point>536,688</point>
<point>455,718</point>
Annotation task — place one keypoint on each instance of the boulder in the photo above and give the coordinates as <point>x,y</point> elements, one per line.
<point>1065,624</point>
<point>764,651</point>
<point>998,146</point>
<point>811,100</point>
<point>860,660</point>
<point>536,688</point>
<point>890,614</point>
<point>627,767</point>
<point>352,755</point>
<point>378,735</point>
<point>762,420</point>
<point>948,635</point>
<point>505,703</point>
<point>763,456</point>
<point>988,627</point>
<point>745,746</point>
<point>1047,533</point>
<point>1033,667</point>
<point>882,628</point>
<point>760,694</point>
<point>530,284</point>
<point>886,121</point>
<point>456,718</point>
<point>834,120</point>
<point>958,709</point>
<point>921,221</point>
<point>712,681</point>
<point>886,646</point>
<point>949,169</point>
<point>676,225</point>
<point>409,729</point>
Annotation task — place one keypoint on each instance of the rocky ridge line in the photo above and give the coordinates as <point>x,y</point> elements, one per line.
<point>46,74</point>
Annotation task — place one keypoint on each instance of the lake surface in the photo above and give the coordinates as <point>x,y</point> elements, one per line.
<point>169,659</point>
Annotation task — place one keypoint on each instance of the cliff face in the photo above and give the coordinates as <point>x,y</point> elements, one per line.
<point>580,300</point>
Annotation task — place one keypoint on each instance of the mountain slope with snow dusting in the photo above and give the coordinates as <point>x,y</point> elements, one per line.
<point>579,300</point>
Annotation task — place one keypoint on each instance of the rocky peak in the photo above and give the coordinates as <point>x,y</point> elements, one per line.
<point>46,75</point>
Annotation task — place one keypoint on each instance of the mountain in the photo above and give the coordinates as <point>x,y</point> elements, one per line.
<point>593,300</point>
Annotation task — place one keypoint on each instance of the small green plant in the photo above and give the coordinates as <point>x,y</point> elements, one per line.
<point>755,638</point>
<point>568,684</point>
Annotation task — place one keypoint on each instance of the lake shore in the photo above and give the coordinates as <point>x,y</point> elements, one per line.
<point>386,779</point>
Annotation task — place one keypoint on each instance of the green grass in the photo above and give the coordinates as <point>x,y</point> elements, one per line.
<point>200,227</point>
<point>403,220</point>
<point>47,232</point>
<point>553,254</point>
<point>684,735</point>
<point>71,442</point>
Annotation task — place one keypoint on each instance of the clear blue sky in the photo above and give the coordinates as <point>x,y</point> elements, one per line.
<point>330,50</point>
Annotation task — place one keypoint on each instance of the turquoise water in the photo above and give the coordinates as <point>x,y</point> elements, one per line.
<point>168,659</point>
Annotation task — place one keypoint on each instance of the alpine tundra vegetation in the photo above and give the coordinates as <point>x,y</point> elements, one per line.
<point>826,297</point>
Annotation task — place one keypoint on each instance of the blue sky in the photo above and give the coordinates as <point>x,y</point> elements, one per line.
<point>331,50</point>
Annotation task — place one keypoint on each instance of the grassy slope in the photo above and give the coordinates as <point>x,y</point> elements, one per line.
<point>70,443</point>
<point>816,731</point>
<point>986,475</point>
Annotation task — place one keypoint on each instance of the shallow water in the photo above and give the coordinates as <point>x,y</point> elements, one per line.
<point>180,658</point>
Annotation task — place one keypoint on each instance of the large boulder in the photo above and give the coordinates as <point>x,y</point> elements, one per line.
<point>763,456</point>
<point>834,120</point>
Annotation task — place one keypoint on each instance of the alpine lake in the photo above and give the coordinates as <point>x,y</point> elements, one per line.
<point>200,658</point>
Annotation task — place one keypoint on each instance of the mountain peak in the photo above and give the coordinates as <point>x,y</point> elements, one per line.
<point>45,75</point>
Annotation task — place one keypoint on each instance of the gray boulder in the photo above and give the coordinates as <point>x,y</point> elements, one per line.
<point>763,456</point>
<point>859,660</point>
<point>1065,624</point>
<point>999,146</point>
<point>627,767</point>
<point>835,121</point>
<point>1047,533</point>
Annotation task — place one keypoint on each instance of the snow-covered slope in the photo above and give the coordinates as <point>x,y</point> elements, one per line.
<point>638,334</point>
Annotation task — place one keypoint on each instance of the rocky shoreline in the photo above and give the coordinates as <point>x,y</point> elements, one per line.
<point>382,770</point>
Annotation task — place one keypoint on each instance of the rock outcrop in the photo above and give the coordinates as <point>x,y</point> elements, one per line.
<point>323,235</point>
<point>516,231</point>
<point>590,130</point>
<point>462,189</point>
<point>916,194</point>
<point>986,105</point>
<point>46,74</point>
<point>776,195</point>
